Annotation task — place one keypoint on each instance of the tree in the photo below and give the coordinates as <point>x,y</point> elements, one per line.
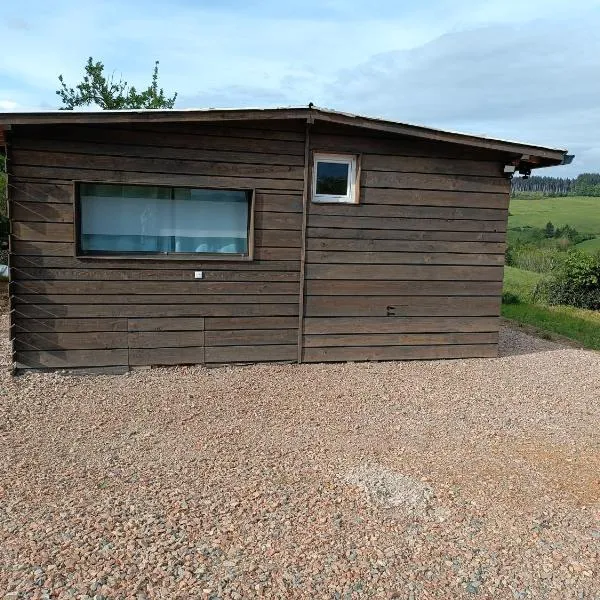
<point>549,231</point>
<point>110,94</point>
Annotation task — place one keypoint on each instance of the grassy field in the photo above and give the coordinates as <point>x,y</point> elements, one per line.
<point>580,212</point>
<point>592,245</point>
<point>575,323</point>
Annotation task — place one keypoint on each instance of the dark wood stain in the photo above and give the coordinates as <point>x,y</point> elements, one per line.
<point>414,271</point>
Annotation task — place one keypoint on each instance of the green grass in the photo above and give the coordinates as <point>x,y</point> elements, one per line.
<point>592,245</point>
<point>575,323</point>
<point>580,212</point>
<point>578,324</point>
<point>520,282</point>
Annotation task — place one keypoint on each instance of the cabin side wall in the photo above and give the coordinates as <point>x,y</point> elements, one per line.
<point>71,312</point>
<point>414,271</point>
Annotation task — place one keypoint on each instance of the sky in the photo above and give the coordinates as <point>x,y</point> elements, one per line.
<point>514,69</point>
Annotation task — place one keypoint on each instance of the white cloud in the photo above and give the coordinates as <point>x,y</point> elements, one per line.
<point>8,105</point>
<point>508,69</point>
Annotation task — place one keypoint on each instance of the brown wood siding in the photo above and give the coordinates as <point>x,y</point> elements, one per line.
<point>414,271</point>
<point>86,312</point>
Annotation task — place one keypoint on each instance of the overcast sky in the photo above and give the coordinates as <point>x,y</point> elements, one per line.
<point>515,69</point>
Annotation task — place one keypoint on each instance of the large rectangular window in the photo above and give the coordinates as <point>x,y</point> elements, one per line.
<point>141,219</point>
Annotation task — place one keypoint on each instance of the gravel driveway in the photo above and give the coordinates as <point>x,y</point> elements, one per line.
<point>444,479</point>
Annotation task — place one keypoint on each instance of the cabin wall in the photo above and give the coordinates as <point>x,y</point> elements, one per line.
<point>114,313</point>
<point>414,271</point>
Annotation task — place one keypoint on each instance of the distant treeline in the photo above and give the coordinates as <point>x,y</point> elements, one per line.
<point>586,184</point>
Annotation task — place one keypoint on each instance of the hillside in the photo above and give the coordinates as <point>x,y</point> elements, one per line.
<point>580,212</point>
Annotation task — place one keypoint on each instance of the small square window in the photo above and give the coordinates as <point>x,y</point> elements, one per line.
<point>334,178</point>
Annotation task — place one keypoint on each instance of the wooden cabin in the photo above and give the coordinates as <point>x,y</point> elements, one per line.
<point>235,236</point>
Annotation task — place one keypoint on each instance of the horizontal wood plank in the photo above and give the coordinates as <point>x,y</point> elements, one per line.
<point>70,325</point>
<point>52,311</point>
<point>119,164</point>
<point>250,354</point>
<point>42,211</point>
<point>358,233</point>
<point>404,272</point>
<point>383,325</point>
<point>64,359</point>
<point>345,140</point>
<point>370,353</point>
<point>408,212</point>
<point>238,323</point>
<point>165,339</point>
<point>69,341</point>
<point>197,286</point>
<point>377,257</point>
<point>441,198</point>
<point>353,245</point>
<point>166,356</point>
<point>381,306</point>
<point>44,232</point>
<point>425,164</point>
<point>136,150</point>
<point>397,339</point>
<point>338,287</point>
<point>163,275</point>
<point>165,324</point>
<point>192,139</point>
<point>248,337</point>
<point>68,174</point>
<point>39,255</point>
<point>167,297</point>
<point>399,223</point>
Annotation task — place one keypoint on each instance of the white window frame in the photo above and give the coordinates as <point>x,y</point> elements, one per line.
<point>351,197</point>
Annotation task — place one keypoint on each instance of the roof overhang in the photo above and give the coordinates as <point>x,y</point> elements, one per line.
<point>533,155</point>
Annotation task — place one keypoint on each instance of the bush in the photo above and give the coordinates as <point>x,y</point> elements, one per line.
<point>575,281</point>
<point>510,298</point>
<point>533,258</point>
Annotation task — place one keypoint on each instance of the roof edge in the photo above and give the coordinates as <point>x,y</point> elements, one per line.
<point>541,155</point>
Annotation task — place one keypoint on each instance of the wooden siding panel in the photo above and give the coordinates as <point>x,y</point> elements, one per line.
<point>380,257</point>
<point>130,275</point>
<point>251,354</point>
<point>427,181</point>
<point>195,299</point>
<point>413,271</point>
<point>73,341</point>
<point>237,323</point>
<point>165,339</point>
<point>70,325</point>
<point>174,324</point>
<point>340,287</point>
<point>381,306</point>
<point>441,246</point>
<point>69,359</point>
<point>422,164</point>
<point>404,272</point>
<point>249,337</point>
<point>381,233</point>
<point>369,353</point>
<point>343,140</point>
<point>408,212</point>
<point>54,311</point>
<point>58,161</point>
<point>384,325</point>
<point>166,356</point>
<point>360,222</point>
<point>397,339</point>
<point>402,197</point>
